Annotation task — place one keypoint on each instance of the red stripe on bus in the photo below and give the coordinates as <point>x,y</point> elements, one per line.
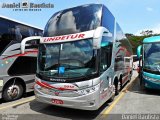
<point>17,55</point>
<point>43,85</point>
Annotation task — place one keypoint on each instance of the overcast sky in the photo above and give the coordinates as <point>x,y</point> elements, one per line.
<point>132,15</point>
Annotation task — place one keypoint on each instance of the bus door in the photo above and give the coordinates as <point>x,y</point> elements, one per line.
<point>106,70</point>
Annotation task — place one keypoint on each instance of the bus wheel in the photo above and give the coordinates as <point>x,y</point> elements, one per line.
<point>116,86</point>
<point>112,98</point>
<point>12,91</point>
<point>121,84</point>
<point>130,76</point>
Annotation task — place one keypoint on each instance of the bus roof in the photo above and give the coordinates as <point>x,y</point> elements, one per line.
<point>152,39</point>
<point>19,22</point>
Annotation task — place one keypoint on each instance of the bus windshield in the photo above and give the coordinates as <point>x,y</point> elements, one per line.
<point>74,20</point>
<point>67,60</point>
<point>152,57</point>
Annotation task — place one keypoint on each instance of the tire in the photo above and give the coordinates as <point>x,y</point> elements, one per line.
<point>12,91</point>
<point>112,98</point>
<point>121,84</point>
<point>116,86</point>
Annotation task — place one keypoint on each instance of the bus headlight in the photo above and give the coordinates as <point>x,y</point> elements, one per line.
<point>88,90</point>
<point>1,82</point>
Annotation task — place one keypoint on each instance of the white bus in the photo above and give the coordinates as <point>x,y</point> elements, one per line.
<point>83,57</point>
<point>16,70</point>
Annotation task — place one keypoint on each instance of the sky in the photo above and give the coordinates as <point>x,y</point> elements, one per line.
<point>132,15</point>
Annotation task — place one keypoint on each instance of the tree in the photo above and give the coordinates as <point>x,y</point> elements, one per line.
<point>147,32</point>
<point>129,35</point>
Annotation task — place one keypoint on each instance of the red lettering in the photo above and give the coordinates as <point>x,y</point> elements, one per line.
<point>56,101</point>
<point>74,36</point>
<point>45,40</point>
<point>63,37</point>
<point>67,37</point>
<point>51,39</point>
<point>81,35</point>
<point>58,38</point>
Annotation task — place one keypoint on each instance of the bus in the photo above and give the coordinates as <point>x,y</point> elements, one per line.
<point>16,70</point>
<point>149,63</point>
<point>83,58</point>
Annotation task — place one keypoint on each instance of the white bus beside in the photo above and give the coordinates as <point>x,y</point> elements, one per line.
<point>83,57</point>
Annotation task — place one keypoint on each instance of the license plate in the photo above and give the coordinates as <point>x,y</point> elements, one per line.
<point>56,101</point>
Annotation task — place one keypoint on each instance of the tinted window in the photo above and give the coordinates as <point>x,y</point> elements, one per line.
<point>119,33</point>
<point>106,55</point>
<point>78,59</point>
<point>12,32</point>
<point>23,65</point>
<point>124,43</point>
<point>119,63</point>
<point>74,20</point>
<point>106,41</point>
<point>19,31</point>
<point>108,20</point>
<point>5,36</point>
<point>22,32</point>
<point>151,57</point>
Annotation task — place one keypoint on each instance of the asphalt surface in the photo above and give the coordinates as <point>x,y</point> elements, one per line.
<point>131,100</point>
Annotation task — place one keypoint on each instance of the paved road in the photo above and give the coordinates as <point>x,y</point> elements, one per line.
<point>131,100</point>
<point>136,104</point>
<point>138,101</point>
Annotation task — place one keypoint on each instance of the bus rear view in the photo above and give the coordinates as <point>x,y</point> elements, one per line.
<point>83,57</point>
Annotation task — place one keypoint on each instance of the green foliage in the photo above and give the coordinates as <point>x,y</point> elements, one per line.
<point>136,40</point>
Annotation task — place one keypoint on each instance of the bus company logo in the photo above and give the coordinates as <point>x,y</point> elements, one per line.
<point>26,5</point>
<point>57,80</point>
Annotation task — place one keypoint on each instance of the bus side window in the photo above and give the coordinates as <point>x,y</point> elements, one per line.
<point>4,35</point>
<point>106,55</point>
<point>18,34</point>
<point>23,65</point>
<point>119,63</point>
<point>107,16</point>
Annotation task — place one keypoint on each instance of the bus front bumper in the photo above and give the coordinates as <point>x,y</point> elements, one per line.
<point>84,102</point>
<point>151,83</point>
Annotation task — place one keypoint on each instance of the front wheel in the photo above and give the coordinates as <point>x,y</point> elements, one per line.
<point>12,91</point>
<point>112,98</point>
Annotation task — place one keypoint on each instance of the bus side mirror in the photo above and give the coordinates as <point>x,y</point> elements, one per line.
<point>139,48</point>
<point>23,43</point>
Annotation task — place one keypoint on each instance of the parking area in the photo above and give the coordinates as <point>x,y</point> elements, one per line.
<point>131,100</point>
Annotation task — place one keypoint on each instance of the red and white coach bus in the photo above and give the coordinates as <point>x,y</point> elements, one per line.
<point>83,57</point>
